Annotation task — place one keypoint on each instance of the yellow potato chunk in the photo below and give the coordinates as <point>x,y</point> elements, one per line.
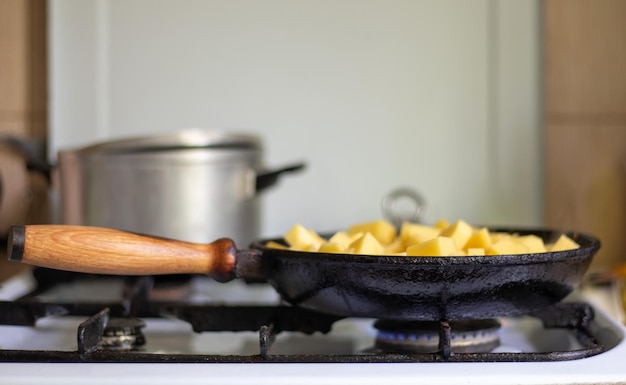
<point>437,247</point>
<point>275,245</point>
<point>330,247</point>
<point>498,236</point>
<point>534,243</point>
<point>397,246</point>
<point>381,229</point>
<point>507,246</point>
<point>441,224</point>
<point>475,251</point>
<point>460,231</point>
<point>412,233</point>
<point>442,239</point>
<point>342,239</point>
<point>480,239</point>
<point>564,243</point>
<point>366,244</point>
<point>304,248</point>
<point>317,239</point>
<point>301,238</point>
<point>503,246</point>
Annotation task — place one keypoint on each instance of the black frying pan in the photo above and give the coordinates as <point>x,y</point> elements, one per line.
<point>389,287</point>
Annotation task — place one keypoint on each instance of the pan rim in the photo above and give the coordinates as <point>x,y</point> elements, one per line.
<point>589,246</point>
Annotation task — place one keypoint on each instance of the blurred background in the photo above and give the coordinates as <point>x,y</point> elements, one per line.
<point>499,112</point>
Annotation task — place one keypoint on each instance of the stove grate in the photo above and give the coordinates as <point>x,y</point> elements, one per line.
<point>268,321</point>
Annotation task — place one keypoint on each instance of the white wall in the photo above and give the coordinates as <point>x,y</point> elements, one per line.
<point>441,96</point>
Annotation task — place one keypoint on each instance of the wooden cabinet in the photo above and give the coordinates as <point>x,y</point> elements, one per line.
<point>23,68</point>
<point>23,112</point>
<point>585,121</point>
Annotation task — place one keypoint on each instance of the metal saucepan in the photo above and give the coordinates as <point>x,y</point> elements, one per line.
<point>193,184</point>
<point>390,287</point>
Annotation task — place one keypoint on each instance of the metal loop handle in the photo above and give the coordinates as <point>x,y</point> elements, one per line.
<point>394,215</point>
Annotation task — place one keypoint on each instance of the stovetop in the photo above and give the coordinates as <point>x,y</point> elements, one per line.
<point>272,342</point>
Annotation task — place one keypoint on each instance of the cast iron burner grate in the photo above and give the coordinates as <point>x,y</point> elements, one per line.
<point>268,321</point>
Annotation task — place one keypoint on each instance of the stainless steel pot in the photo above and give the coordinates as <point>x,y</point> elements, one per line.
<point>195,185</point>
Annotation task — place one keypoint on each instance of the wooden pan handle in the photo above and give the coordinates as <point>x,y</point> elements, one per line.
<point>106,251</point>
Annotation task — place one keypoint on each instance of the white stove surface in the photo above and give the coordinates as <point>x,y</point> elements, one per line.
<point>348,336</point>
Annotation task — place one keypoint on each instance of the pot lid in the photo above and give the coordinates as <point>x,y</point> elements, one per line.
<point>182,140</point>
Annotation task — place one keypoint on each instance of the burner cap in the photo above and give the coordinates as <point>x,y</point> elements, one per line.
<point>473,336</point>
<point>123,334</point>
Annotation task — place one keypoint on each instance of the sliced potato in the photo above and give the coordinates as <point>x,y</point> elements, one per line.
<point>480,239</point>
<point>397,246</point>
<point>276,245</point>
<point>367,244</point>
<point>460,231</point>
<point>443,239</point>
<point>412,233</point>
<point>533,243</point>
<point>564,243</point>
<point>330,247</point>
<point>342,239</point>
<point>437,247</point>
<point>301,238</point>
<point>476,251</point>
<point>441,224</point>
<point>507,246</point>
<point>381,229</point>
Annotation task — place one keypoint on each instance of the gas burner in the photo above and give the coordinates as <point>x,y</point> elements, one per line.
<point>123,334</point>
<point>472,336</point>
<point>215,331</point>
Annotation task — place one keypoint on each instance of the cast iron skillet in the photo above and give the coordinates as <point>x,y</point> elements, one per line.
<point>389,287</point>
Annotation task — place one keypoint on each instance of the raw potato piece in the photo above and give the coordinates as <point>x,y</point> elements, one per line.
<point>342,239</point>
<point>412,233</point>
<point>382,230</point>
<point>366,244</point>
<point>438,247</point>
<point>398,246</point>
<point>458,239</point>
<point>503,246</point>
<point>330,247</point>
<point>301,238</point>
<point>480,239</point>
<point>275,245</point>
<point>475,251</point>
<point>564,243</point>
<point>533,243</point>
<point>441,224</point>
<point>507,246</point>
<point>460,231</point>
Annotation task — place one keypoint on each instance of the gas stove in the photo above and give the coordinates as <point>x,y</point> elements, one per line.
<point>67,328</point>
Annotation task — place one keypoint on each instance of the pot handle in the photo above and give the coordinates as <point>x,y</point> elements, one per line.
<point>97,250</point>
<point>266,179</point>
<point>410,197</point>
<point>34,153</point>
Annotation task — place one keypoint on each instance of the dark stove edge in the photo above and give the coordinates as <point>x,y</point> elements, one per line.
<point>141,357</point>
